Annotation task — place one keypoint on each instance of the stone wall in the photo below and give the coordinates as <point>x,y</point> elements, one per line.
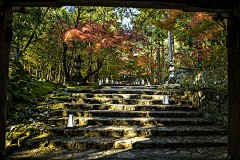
<point>213,105</point>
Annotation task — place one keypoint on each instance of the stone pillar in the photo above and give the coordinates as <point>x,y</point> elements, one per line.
<point>233,44</point>
<point>5,41</point>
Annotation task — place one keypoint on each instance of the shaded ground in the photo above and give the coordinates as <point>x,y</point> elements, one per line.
<point>151,154</point>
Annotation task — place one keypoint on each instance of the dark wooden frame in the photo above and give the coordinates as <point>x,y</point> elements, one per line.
<point>221,6</point>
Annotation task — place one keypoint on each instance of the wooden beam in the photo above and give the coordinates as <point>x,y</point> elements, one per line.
<point>233,87</point>
<point>5,33</point>
<point>217,6</point>
<point>23,10</point>
<point>201,5</point>
<point>1,3</point>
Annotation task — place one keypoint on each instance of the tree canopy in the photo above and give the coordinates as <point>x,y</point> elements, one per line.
<point>49,39</point>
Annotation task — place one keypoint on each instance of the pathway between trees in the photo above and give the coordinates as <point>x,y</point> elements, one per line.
<point>123,122</point>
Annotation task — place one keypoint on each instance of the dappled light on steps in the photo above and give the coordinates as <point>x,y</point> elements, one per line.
<point>124,119</point>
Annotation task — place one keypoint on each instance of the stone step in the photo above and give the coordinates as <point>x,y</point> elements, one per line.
<point>117,113</point>
<point>132,131</point>
<point>121,101</point>
<point>125,96</point>
<point>128,87</point>
<point>128,143</point>
<point>121,91</point>
<point>125,107</point>
<point>168,153</point>
<point>127,121</point>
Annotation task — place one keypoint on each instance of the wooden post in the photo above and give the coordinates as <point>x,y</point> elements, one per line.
<point>5,41</point>
<point>233,44</point>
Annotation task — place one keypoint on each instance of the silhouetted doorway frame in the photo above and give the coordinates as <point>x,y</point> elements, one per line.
<point>233,43</point>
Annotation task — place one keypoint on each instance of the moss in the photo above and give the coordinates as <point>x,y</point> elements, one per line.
<point>80,87</point>
<point>25,91</point>
<point>216,89</point>
<point>16,71</point>
<point>11,148</point>
<point>221,90</point>
<point>39,107</point>
<point>24,87</point>
<point>41,136</point>
<point>22,139</point>
<point>177,90</point>
<point>99,97</point>
<point>26,121</point>
<point>57,106</point>
<point>62,98</point>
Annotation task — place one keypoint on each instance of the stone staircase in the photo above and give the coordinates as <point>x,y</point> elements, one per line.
<point>127,119</point>
<point>129,80</point>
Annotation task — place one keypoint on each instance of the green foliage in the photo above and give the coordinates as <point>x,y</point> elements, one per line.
<point>21,96</point>
<point>96,86</point>
<point>23,88</point>
<point>199,43</point>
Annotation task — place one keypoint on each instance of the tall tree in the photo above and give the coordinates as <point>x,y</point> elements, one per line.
<point>105,39</point>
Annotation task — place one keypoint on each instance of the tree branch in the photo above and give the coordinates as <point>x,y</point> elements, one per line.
<point>33,33</point>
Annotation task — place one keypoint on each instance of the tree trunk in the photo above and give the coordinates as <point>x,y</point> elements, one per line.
<point>94,72</point>
<point>33,33</point>
<point>172,41</point>
<point>5,42</point>
<point>41,70</point>
<point>151,79</point>
<point>158,61</point>
<point>50,73</point>
<point>17,51</point>
<point>147,68</point>
<point>97,76</point>
<point>60,75</point>
<point>162,61</point>
<point>90,66</point>
<point>36,72</point>
<point>90,55</point>
<point>169,47</point>
<point>66,74</point>
<point>78,16</point>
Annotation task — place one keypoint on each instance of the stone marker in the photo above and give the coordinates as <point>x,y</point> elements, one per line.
<point>71,122</point>
<point>107,81</point>
<point>165,99</point>
<point>148,84</point>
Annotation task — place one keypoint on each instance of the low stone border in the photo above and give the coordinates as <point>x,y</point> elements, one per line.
<point>213,105</point>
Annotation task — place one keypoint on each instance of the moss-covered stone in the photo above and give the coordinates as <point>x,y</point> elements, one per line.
<point>11,148</point>
<point>23,139</point>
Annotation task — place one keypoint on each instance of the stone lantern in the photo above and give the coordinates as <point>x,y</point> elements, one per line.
<point>78,62</point>
<point>77,66</point>
<point>171,83</point>
<point>171,78</point>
